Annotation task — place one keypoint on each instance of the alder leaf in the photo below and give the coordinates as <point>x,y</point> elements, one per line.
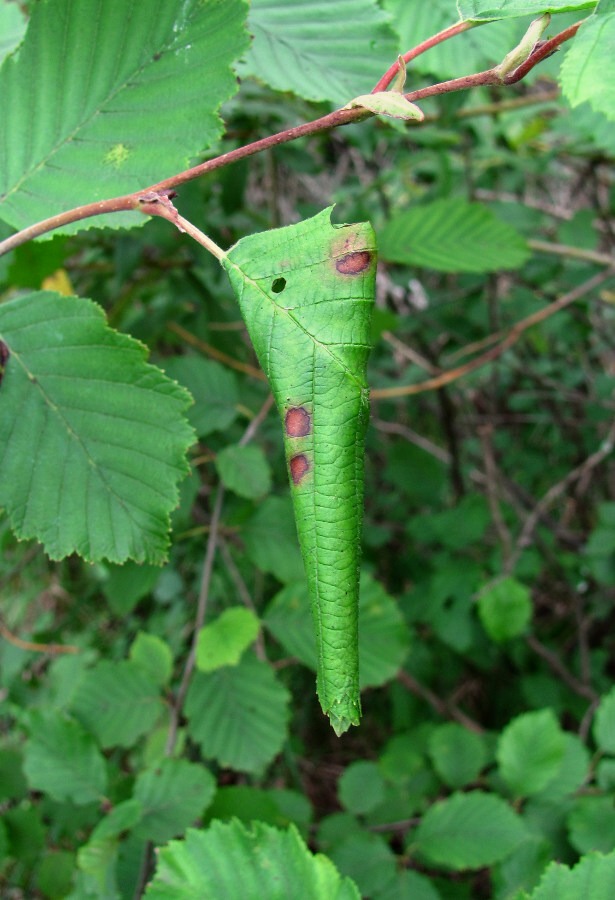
<point>590,59</point>
<point>318,49</point>
<point>93,439</point>
<point>489,10</point>
<point>107,98</point>
<point>306,293</point>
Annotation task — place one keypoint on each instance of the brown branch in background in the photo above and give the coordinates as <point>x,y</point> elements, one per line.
<point>558,667</point>
<point>442,707</point>
<point>34,646</point>
<point>214,353</point>
<point>511,338</point>
<point>555,492</point>
<point>485,433</point>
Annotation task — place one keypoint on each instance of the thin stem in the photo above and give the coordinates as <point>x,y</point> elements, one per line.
<point>438,38</point>
<point>201,610</point>
<point>34,646</point>
<point>591,256</point>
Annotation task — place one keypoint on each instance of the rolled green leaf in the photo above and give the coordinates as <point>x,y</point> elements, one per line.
<point>306,293</point>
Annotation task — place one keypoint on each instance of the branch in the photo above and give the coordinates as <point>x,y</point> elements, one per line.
<point>139,200</point>
<point>511,338</point>
<point>444,35</point>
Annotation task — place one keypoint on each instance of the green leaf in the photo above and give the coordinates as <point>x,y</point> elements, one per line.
<point>361,787</point>
<point>238,714</point>
<point>387,103</point>
<point>244,470</point>
<point>505,609</point>
<point>306,293</point>
<point>481,10</point>
<point>223,642</point>
<point>63,760</point>
<point>367,859</point>
<point>12,28</point>
<point>530,751</point>
<point>118,702</point>
<point>590,58</point>
<point>92,438</point>
<point>213,388</point>
<point>270,540</point>
<point>320,50</point>
<point>593,876</point>
<point>458,755</point>
<point>153,656</point>
<point>591,824</point>
<point>129,92</point>
<point>98,858</point>
<point>452,235</point>
<point>236,862</point>
<point>604,723</point>
<point>54,875</point>
<point>124,585</point>
<point>468,831</point>
<point>383,635</point>
<point>173,796</point>
<point>409,885</point>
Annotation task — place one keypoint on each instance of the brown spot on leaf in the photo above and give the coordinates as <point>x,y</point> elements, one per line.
<point>297,422</point>
<point>354,263</point>
<point>4,358</point>
<point>299,467</point>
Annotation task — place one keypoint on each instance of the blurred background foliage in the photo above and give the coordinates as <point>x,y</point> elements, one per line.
<point>489,539</point>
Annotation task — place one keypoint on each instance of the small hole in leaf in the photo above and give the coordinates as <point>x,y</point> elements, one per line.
<point>278,285</point>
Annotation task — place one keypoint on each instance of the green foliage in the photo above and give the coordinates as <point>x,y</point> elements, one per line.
<point>78,393</point>
<point>452,236</point>
<point>141,702</point>
<point>233,861</point>
<point>65,103</point>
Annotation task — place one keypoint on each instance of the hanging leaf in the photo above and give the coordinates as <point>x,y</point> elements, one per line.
<point>92,438</point>
<point>306,293</point>
<point>129,91</point>
<point>318,49</point>
<point>384,640</point>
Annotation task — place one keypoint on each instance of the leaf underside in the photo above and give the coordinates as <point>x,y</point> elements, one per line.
<point>306,293</point>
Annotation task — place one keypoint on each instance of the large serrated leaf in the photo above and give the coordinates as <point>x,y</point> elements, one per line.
<point>593,877</point>
<point>590,58</point>
<point>105,98</point>
<point>468,831</point>
<point>306,293</point>
<point>318,49</point>
<point>452,235</point>
<point>117,702</point>
<point>238,714</point>
<point>92,438</point>
<point>237,863</point>
<point>481,10</point>
<point>63,760</point>
<point>173,795</point>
